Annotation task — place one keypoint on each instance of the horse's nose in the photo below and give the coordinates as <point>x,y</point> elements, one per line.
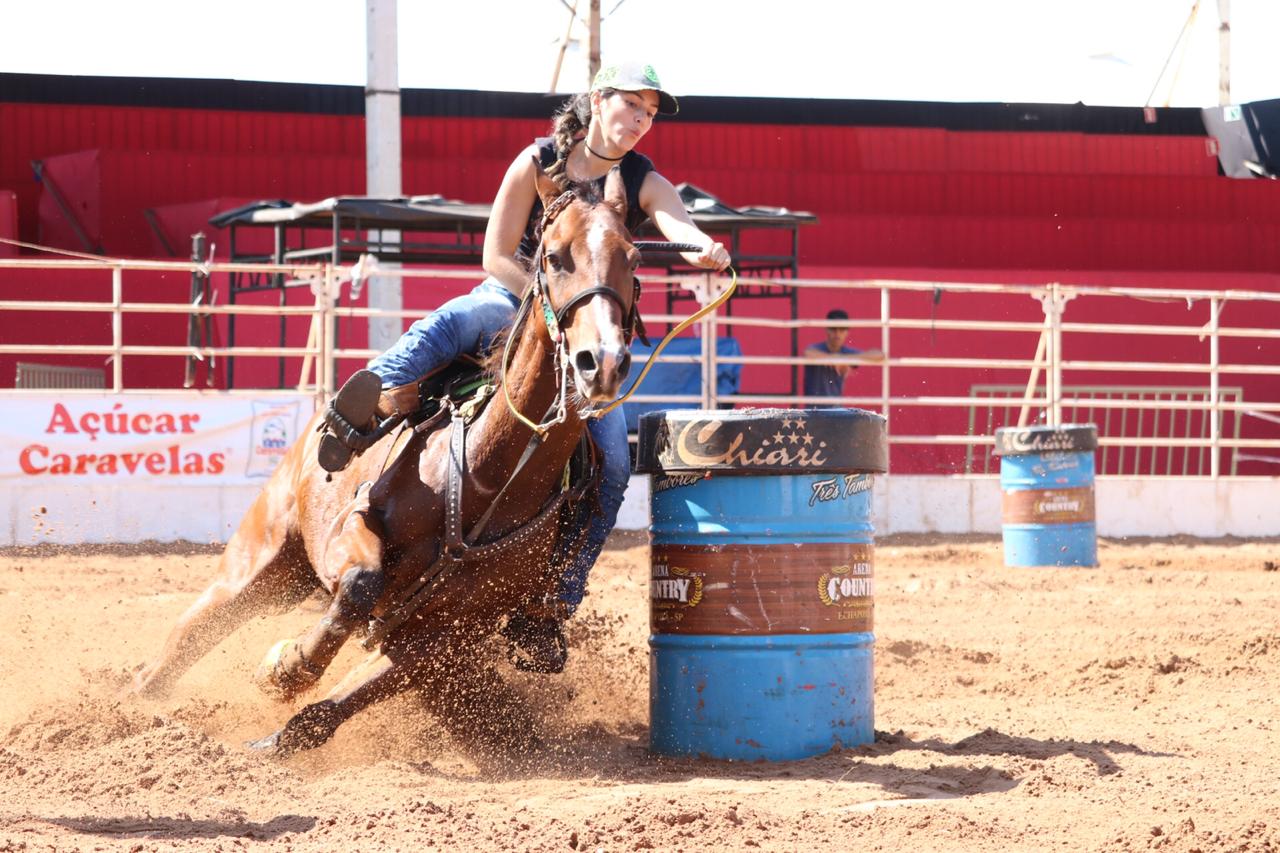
<point>602,370</point>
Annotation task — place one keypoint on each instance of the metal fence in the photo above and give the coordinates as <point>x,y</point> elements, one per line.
<point>1154,411</point>
<point>1161,409</point>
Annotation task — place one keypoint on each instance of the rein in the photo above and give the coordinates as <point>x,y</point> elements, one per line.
<point>680,327</point>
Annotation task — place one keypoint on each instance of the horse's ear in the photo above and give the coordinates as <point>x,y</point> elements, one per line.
<point>615,191</point>
<point>548,190</point>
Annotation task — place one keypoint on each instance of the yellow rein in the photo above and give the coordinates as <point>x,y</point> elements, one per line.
<point>684,324</point>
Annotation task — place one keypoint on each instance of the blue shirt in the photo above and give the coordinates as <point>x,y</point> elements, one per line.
<point>822,380</point>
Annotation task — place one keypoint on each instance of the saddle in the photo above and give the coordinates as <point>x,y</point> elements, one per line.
<point>361,413</point>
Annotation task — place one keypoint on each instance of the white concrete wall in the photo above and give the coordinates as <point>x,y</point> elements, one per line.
<point>1127,506</point>
<point>74,514</point>
<point>902,504</point>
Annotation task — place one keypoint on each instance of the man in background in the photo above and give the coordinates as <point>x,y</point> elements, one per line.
<point>827,380</point>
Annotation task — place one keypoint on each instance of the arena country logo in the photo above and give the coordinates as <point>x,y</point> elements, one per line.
<point>845,585</point>
<point>698,443</point>
<point>673,586</point>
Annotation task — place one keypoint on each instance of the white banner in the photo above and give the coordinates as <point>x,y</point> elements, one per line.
<point>107,439</point>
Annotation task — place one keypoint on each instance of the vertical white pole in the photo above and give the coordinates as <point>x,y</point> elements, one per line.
<point>1055,353</point>
<point>382,155</point>
<point>1224,52</point>
<point>117,328</point>
<point>593,49</point>
<point>708,344</point>
<point>1215,412</point>
<point>884,367</point>
<point>1052,372</point>
<point>325,381</point>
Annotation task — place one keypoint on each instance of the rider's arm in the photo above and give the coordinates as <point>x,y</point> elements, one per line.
<point>508,220</point>
<point>820,351</point>
<point>661,201</point>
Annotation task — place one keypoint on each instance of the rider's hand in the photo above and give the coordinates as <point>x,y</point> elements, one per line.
<point>713,257</point>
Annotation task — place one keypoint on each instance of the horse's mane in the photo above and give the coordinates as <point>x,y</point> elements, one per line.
<point>584,191</point>
<point>491,361</point>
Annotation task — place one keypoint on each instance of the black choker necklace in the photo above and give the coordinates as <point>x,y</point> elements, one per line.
<point>601,156</point>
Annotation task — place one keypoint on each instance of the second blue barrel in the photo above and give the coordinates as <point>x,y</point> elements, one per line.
<point>1047,505</point>
<point>762,591</point>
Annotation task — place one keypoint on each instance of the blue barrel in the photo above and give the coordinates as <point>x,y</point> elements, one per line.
<point>1047,503</point>
<point>761,595</point>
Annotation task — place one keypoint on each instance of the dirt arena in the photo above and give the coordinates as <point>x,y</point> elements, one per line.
<point>1129,707</point>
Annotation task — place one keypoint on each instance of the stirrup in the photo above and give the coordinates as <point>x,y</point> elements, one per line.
<point>354,406</point>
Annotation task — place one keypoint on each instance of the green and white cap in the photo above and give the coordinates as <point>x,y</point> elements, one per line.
<point>635,77</point>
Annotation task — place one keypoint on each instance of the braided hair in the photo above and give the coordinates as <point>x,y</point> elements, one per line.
<point>568,126</point>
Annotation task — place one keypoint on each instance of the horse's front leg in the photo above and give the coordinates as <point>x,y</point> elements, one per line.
<point>405,663</point>
<point>355,558</point>
<point>377,677</point>
<point>457,683</point>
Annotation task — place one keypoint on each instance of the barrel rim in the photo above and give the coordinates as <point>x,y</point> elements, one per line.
<point>1064,438</point>
<point>762,441</point>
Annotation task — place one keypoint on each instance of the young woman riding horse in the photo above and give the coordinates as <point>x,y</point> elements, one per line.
<point>393,536</point>
<point>591,133</point>
<point>380,532</point>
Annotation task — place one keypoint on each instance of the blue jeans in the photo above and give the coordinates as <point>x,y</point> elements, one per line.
<point>468,324</point>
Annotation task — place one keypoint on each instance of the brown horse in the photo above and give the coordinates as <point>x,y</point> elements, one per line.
<point>371,534</point>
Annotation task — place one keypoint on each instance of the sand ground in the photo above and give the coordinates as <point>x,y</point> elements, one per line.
<point>1128,707</point>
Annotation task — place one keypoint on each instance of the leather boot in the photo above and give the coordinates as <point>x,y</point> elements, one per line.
<point>354,405</point>
<point>535,637</point>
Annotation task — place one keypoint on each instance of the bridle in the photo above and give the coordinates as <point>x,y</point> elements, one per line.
<point>632,322</point>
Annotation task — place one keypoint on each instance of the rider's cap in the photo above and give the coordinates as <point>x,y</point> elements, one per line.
<point>634,77</point>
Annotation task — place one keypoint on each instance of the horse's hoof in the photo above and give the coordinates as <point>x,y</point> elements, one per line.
<point>269,745</point>
<point>282,674</point>
<point>307,729</point>
<point>536,644</point>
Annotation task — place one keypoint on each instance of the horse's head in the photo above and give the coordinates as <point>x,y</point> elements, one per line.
<point>586,269</point>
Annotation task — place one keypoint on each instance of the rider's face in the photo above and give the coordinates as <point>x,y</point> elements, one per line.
<point>625,117</point>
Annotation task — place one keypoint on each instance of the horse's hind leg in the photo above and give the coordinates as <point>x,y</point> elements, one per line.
<point>262,568</point>
<point>355,558</point>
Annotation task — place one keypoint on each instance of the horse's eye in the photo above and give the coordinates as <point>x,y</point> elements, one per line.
<point>553,261</point>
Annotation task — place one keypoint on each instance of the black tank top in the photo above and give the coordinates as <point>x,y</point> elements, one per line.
<point>635,167</point>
